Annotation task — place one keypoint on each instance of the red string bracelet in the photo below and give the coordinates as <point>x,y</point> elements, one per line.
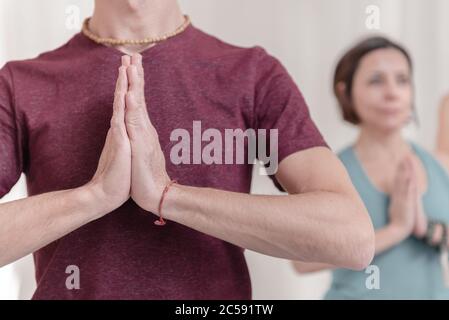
<point>161,221</point>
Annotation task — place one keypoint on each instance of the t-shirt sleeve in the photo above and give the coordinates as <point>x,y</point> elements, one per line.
<point>280,105</point>
<point>10,146</point>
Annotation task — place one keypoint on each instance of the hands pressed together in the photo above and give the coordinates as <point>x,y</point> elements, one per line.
<point>406,208</point>
<point>132,163</point>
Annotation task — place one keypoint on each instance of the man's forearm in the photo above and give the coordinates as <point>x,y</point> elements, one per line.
<point>31,223</point>
<point>318,226</point>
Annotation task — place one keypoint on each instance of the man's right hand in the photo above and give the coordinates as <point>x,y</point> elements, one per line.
<point>111,183</point>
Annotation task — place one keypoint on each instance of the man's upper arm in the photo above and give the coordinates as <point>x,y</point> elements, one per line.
<point>314,169</point>
<point>281,106</point>
<point>10,145</point>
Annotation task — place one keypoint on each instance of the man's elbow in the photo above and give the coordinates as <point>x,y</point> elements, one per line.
<point>301,267</point>
<point>361,244</point>
<point>363,256</point>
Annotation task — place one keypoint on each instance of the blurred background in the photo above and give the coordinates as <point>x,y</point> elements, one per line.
<point>307,36</point>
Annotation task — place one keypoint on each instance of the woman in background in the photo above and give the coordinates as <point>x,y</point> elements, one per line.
<point>405,188</point>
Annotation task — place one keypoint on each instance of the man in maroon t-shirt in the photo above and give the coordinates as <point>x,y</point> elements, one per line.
<point>99,164</point>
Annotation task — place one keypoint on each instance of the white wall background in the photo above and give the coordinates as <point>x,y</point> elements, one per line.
<point>307,36</point>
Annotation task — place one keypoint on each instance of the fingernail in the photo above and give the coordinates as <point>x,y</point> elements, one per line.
<point>136,59</point>
<point>125,60</point>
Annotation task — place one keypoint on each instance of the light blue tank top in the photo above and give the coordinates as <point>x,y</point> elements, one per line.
<point>411,269</point>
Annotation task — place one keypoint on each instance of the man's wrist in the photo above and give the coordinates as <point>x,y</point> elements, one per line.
<point>92,200</point>
<point>171,205</point>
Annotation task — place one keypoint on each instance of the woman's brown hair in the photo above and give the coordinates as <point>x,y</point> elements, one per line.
<point>347,66</point>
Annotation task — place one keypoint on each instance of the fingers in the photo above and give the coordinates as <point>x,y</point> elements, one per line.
<point>136,114</point>
<point>411,179</point>
<point>413,171</point>
<point>135,82</point>
<point>136,60</point>
<point>118,115</point>
<point>405,183</point>
<point>136,75</point>
<point>402,178</point>
<point>135,99</point>
<point>413,189</point>
<point>126,61</point>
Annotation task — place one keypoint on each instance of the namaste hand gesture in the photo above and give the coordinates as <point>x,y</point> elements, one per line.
<point>132,163</point>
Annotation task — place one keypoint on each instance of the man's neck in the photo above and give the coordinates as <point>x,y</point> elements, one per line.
<point>135,19</point>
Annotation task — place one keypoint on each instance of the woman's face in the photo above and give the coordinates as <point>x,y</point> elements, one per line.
<point>382,92</point>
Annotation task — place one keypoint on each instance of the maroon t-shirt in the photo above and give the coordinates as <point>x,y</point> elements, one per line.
<point>55,111</point>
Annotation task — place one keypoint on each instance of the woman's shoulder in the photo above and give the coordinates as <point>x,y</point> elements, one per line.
<point>438,159</point>
<point>443,158</point>
<point>346,153</point>
<point>349,159</point>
